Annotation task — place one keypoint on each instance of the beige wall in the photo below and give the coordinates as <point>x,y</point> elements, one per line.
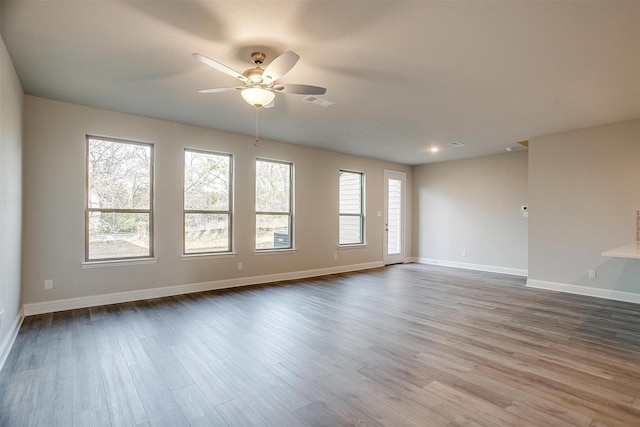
<point>472,205</point>
<point>11,98</point>
<point>54,204</point>
<point>584,190</point>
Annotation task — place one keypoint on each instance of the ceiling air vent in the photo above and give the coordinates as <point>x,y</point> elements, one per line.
<point>515,148</point>
<point>456,144</point>
<point>318,101</point>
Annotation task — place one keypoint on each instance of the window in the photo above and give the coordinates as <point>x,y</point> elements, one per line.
<point>119,214</point>
<point>351,224</point>
<point>207,202</point>
<point>274,206</point>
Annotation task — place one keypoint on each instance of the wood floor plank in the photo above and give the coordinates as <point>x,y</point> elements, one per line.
<point>278,391</point>
<point>196,408</point>
<point>319,414</point>
<point>361,400</point>
<point>157,400</point>
<point>237,413</point>
<point>408,345</point>
<point>483,409</point>
<point>19,402</point>
<point>340,408</point>
<point>403,403</point>
<point>95,417</point>
<point>55,402</point>
<point>271,412</point>
<point>88,385</point>
<point>217,389</point>
<point>121,395</point>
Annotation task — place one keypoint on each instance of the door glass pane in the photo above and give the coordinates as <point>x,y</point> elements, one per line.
<point>394,236</point>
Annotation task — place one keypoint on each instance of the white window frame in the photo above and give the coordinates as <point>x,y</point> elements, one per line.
<point>228,212</point>
<point>89,210</point>
<point>288,213</point>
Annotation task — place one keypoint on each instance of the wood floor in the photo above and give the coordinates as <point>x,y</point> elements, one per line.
<point>406,345</point>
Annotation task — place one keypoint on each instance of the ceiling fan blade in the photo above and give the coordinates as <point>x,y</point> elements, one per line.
<point>281,65</point>
<point>301,89</point>
<point>220,67</point>
<point>220,89</point>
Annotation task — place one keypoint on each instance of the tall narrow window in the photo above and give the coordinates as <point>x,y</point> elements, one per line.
<point>119,214</point>
<point>207,202</point>
<point>351,224</point>
<point>274,205</point>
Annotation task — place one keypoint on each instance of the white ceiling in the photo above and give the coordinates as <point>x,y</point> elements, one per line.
<point>405,75</point>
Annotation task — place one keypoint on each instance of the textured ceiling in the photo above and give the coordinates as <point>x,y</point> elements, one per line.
<point>405,76</point>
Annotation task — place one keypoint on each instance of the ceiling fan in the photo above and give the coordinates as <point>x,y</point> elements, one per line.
<point>260,86</point>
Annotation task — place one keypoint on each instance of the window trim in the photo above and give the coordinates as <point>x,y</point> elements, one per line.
<point>230,242</point>
<point>291,246</point>
<point>150,211</point>
<point>363,240</point>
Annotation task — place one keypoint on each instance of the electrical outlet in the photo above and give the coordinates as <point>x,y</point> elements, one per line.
<point>48,284</point>
<point>239,266</point>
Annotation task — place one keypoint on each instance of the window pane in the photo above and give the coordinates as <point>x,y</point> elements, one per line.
<point>272,232</point>
<point>350,230</point>
<point>206,233</point>
<point>273,186</point>
<point>350,208</point>
<point>350,193</point>
<point>118,235</point>
<point>206,181</point>
<point>394,235</point>
<point>119,175</point>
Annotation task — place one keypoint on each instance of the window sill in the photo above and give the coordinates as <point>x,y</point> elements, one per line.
<point>357,246</point>
<point>274,251</point>
<point>196,257</point>
<point>119,262</point>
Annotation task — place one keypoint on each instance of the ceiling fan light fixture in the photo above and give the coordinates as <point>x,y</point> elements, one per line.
<point>257,96</point>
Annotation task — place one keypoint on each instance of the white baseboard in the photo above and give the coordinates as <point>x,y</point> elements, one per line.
<point>166,291</point>
<point>585,290</point>
<point>467,266</point>
<point>7,343</point>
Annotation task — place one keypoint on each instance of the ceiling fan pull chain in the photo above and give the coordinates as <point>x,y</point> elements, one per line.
<point>257,139</point>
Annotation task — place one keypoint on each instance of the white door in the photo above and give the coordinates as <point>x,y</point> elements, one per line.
<point>394,207</point>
